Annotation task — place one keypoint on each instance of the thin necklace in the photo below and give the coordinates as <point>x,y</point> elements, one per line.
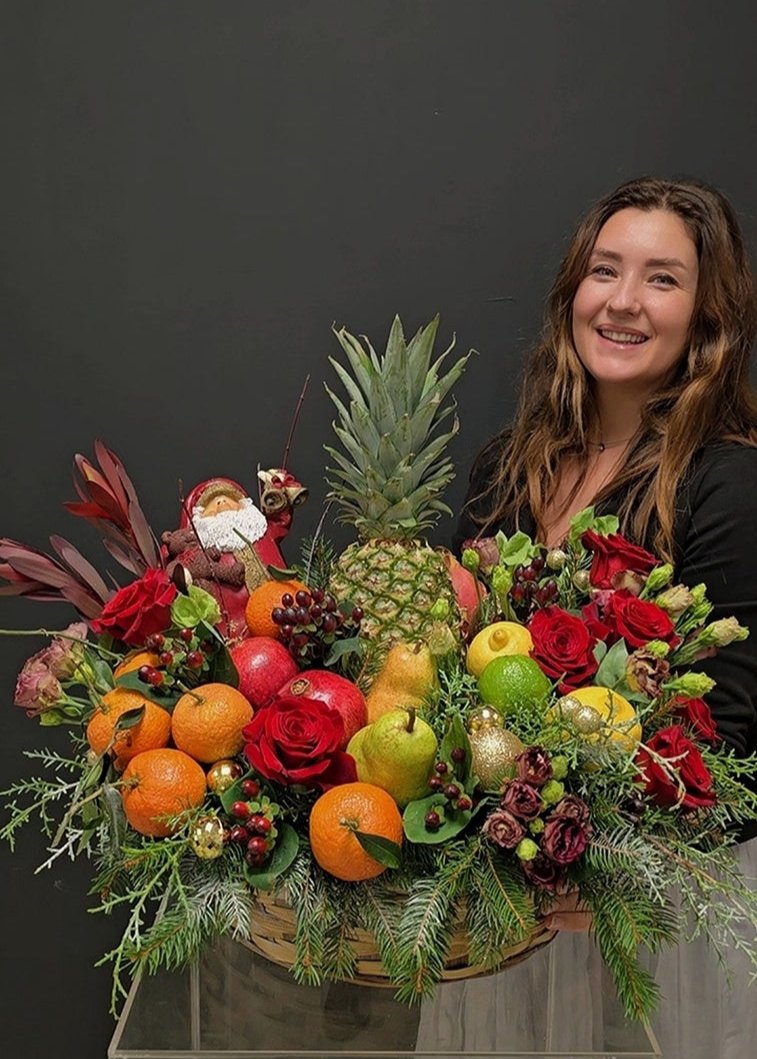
<point>601,445</point>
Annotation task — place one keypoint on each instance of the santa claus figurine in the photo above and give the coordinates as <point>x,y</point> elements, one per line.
<point>226,543</point>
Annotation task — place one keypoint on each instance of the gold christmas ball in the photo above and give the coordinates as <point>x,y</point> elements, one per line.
<point>222,775</point>
<point>207,838</point>
<point>556,558</point>
<point>567,706</point>
<point>493,752</point>
<point>484,717</point>
<point>587,720</point>
<point>581,580</point>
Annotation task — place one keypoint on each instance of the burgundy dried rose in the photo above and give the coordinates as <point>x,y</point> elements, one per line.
<point>544,873</point>
<point>503,829</point>
<point>564,839</point>
<point>522,800</point>
<point>574,807</point>
<point>64,655</point>
<point>646,672</point>
<point>534,766</point>
<point>37,689</point>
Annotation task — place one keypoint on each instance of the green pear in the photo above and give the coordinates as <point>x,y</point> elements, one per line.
<point>397,752</point>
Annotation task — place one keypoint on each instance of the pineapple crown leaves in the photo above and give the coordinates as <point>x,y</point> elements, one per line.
<point>394,465</point>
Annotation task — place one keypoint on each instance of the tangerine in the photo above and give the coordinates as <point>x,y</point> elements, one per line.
<point>134,660</point>
<point>262,601</point>
<point>151,732</point>
<point>341,811</point>
<point>207,722</point>
<point>158,784</point>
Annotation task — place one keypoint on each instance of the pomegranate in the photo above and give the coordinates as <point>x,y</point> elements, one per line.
<point>337,692</point>
<point>263,665</point>
<point>468,590</point>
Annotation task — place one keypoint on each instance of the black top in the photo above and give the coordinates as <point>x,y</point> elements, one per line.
<point>715,529</point>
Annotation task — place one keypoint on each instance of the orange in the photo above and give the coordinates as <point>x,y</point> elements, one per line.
<point>207,722</point>
<point>262,601</point>
<point>134,661</point>
<point>154,730</point>
<point>342,810</point>
<point>158,784</point>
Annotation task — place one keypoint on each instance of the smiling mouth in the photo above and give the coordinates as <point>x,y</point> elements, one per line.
<point>622,338</point>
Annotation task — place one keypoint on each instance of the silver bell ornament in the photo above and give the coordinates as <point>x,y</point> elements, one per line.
<point>484,717</point>
<point>493,752</point>
<point>207,838</point>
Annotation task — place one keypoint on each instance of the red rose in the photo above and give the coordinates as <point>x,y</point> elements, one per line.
<point>695,788</point>
<point>139,609</point>
<point>563,647</point>
<point>612,555</point>
<point>637,620</point>
<point>591,614</point>
<point>696,713</point>
<point>296,740</point>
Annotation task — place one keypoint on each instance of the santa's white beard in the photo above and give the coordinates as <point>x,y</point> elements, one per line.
<point>223,530</point>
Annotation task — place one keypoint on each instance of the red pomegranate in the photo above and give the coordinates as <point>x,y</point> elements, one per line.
<point>337,692</point>
<point>263,664</point>
<point>468,590</point>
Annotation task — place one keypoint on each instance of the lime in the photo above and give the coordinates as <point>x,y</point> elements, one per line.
<point>512,681</point>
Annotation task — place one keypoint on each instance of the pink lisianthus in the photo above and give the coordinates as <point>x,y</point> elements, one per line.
<point>37,690</point>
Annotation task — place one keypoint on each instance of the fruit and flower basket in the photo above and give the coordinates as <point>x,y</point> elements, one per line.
<point>385,764</point>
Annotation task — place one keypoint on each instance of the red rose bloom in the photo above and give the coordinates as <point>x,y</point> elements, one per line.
<point>563,647</point>
<point>297,739</point>
<point>139,609</point>
<point>638,621</point>
<point>612,555</point>
<point>695,790</point>
<point>696,713</point>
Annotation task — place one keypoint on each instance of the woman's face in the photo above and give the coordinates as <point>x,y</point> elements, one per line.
<point>632,310</point>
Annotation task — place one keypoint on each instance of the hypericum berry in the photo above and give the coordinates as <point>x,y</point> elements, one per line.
<point>238,833</point>
<point>435,783</point>
<point>265,824</point>
<point>144,673</point>
<point>357,614</point>
<point>441,767</point>
<point>300,639</point>
<point>452,791</point>
<point>432,820</point>
<point>302,598</point>
<point>155,641</point>
<point>316,611</point>
<point>518,593</point>
<point>166,657</point>
<point>155,678</point>
<point>257,845</point>
<point>186,635</point>
<point>518,573</point>
<point>251,788</point>
<point>330,603</point>
<point>253,823</point>
<point>240,810</point>
<point>254,859</point>
<point>538,563</point>
<point>464,803</point>
<point>329,623</point>
<point>458,755</point>
<point>529,574</point>
<point>277,615</point>
<point>318,595</point>
<point>286,631</point>
<point>302,616</point>
<point>287,600</point>
<point>195,659</point>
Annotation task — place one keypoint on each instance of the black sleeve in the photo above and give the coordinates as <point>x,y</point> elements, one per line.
<point>478,498</point>
<point>718,548</point>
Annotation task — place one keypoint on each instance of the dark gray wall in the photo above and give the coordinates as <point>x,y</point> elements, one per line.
<point>191,194</point>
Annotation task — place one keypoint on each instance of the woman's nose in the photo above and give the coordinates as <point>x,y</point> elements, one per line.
<point>624,297</point>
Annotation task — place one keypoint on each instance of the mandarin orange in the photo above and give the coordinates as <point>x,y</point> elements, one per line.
<point>158,784</point>
<point>262,601</point>
<point>151,732</point>
<point>343,810</point>
<point>134,660</point>
<point>207,722</point>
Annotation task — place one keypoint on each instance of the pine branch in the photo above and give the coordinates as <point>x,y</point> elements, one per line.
<point>499,912</point>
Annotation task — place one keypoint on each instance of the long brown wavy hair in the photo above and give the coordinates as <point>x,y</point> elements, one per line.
<point>708,397</point>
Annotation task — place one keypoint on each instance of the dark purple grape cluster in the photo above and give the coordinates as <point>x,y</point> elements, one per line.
<point>533,587</point>
<point>310,622</point>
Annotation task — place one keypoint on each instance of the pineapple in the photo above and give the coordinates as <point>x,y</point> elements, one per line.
<point>389,479</point>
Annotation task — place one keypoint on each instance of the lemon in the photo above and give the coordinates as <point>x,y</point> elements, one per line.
<point>614,710</point>
<point>501,638</point>
<point>512,681</point>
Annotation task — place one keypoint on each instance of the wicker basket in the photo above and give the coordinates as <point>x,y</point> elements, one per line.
<point>272,935</point>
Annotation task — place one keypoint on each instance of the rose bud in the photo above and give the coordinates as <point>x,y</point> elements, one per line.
<point>522,800</point>
<point>487,551</point>
<point>503,829</point>
<point>534,766</point>
<point>544,873</point>
<point>564,839</point>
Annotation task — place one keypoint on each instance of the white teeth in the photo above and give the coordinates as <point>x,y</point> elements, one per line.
<point>622,336</point>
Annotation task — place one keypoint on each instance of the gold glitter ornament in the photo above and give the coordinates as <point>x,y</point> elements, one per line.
<point>567,706</point>
<point>556,559</point>
<point>484,717</point>
<point>493,752</point>
<point>587,720</point>
<point>223,774</point>
<point>207,838</point>
<point>581,580</point>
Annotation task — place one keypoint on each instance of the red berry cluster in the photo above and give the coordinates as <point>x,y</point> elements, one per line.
<point>311,621</point>
<point>182,653</point>
<point>533,586</point>
<point>255,828</point>
<point>442,781</point>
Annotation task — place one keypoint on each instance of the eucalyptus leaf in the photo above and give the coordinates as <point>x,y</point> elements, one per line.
<point>613,666</point>
<point>284,852</point>
<point>381,849</point>
<point>457,738</point>
<point>129,719</point>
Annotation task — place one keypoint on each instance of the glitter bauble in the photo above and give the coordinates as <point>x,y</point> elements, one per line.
<point>566,707</point>
<point>207,838</point>
<point>556,559</point>
<point>581,580</point>
<point>484,717</point>
<point>587,720</point>
<point>222,775</point>
<point>493,752</point>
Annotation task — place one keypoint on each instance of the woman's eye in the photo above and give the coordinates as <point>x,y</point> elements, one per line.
<point>665,279</point>
<point>602,270</point>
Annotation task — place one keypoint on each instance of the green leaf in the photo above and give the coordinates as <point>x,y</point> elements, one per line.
<point>453,821</point>
<point>613,667</point>
<point>515,550</point>
<point>129,719</point>
<point>604,525</point>
<point>381,849</point>
<point>167,697</point>
<point>103,674</point>
<point>580,523</point>
<point>279,573</point>
<point>342,648</point>
<point>600,650</point>
<point>234,793</point>
<point>222,669</point>
<point>196,606</point>
<point>456,737</point>
<point>284,852</point>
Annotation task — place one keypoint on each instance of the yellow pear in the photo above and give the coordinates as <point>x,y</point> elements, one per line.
<point>407,677</point>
